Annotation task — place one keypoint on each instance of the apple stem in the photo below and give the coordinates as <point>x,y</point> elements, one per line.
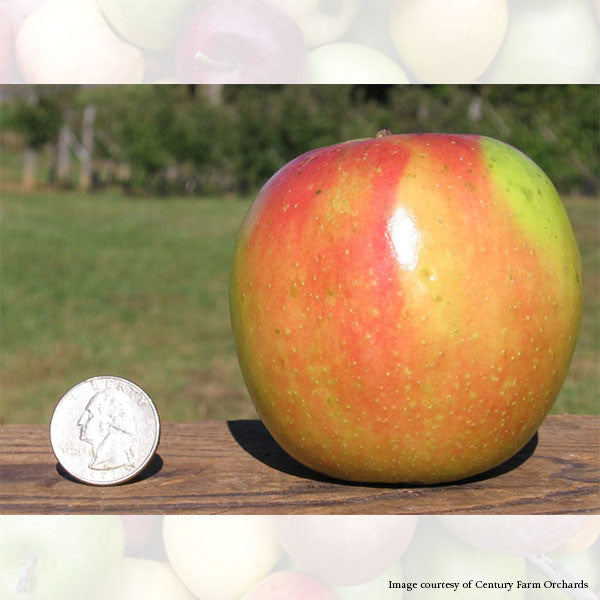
<point>217,64</point>
<point>383,133</point>
<point>557,573</point>
<point>25,581</point>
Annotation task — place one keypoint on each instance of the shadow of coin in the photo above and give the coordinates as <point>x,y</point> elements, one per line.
<point>152,468</point>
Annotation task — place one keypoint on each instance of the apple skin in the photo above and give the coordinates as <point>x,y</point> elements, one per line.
<point>448,42</point>
<point>515,534</point>
<point>240,41</point>
<point>6,45</point>
<point>437,556</point>
<point>57,557</point>
<point>539,34</point>
<point>290,585</point>
<point>221,557</point>
<point>69,41</point>
<point>345,62</point>
<point>584,538</point>
<point>405,308</point>
<point>148,579</point>
<point>345,550</point>
<point>375,589</point>
<point>148,24</point>
<point>143,536</point>
<point>19,10</point>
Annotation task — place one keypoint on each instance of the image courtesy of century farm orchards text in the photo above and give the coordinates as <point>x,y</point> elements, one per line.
<point>405,307</point>
<point>227,557</point>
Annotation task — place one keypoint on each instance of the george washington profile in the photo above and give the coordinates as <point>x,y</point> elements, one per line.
<point>109,426</point>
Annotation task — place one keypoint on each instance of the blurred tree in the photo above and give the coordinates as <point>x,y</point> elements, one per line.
<point>210,139</point>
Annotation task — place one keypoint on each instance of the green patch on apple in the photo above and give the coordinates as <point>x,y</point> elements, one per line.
<point>148,24</point>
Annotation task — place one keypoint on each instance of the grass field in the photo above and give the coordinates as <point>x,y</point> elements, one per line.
<point>106,284</point>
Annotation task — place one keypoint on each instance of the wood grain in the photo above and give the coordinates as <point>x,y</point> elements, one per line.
<point>236,467</point>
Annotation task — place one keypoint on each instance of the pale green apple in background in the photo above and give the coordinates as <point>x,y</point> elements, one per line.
<point>145,579</point>
<point>376,589</point>
<point>69,41</point>
<point>548,41</point>
<point>435,555</point>
<point>448,42</point>
<point>345,62</point>
<point>148,24</point>
<point>58,557</point>
<point>321,21</point>
<point>220,557</point>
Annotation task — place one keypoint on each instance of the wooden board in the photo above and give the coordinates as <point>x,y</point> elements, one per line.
<point>236,467</point>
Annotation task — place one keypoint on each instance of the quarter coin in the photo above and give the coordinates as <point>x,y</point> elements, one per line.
<point>105,430</point>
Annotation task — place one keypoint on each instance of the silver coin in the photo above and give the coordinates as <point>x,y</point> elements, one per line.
<point>105,430</point>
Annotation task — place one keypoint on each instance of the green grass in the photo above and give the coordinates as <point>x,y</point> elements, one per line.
<point>581,390</point>
<point>104,284</point>
<point>107,285</point>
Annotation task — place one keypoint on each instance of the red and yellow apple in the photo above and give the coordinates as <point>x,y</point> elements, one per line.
<point>405,307</point>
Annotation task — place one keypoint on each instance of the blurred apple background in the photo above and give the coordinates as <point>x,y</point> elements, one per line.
<point>231,557</point>
<point>120,206</point>
<point>299,41</point>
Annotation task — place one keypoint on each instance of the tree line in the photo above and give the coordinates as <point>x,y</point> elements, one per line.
<point>181,139</point>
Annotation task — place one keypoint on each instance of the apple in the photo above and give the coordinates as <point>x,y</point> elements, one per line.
<point>6,45</point>
<point>515,534</point>
<point>149,24</point>
<point>19,10</point>
<point>69,41</point>
<point>57,557</point>
<point>137,578</point>
<point>548,41</point>
<point>448,42</point>
<point>584,538</point>
<point>290,585</point>
<point>371,27</point>
<point>405,307</point>
<point>582,566</point>
<point>345,550</point>
<point>375,589</point>
<point>143,536</point>
<point>221,557</point>
<point>345,62</point>
<point>437,557</point>
<point>321,21</point>
<point>240,41</point>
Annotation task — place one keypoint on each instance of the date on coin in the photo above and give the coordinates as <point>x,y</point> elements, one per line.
<point>105,430</point>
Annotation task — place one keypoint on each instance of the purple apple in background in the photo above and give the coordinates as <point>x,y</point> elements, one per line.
<point>290,585</point>
<point>322,21</point>
<point>6,45</point>
<point>345,550</point>
<point>240,41</point>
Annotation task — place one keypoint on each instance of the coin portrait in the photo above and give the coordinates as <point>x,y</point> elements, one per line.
<point>108,424</point>
<point>105,430</point>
